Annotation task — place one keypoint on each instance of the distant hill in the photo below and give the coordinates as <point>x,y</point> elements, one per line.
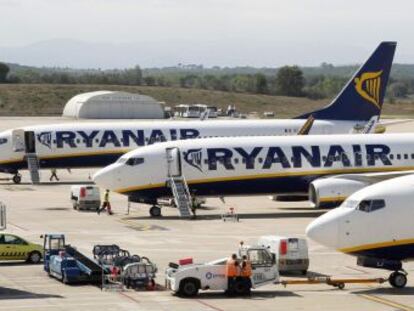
<point>399,71</point>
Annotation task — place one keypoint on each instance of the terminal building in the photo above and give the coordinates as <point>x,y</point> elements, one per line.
<point>113,105</point>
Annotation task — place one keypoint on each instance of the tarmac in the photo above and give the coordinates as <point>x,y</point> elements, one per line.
<point>33,210</point>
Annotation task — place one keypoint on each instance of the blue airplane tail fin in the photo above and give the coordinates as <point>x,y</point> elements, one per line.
<point>363,95</point>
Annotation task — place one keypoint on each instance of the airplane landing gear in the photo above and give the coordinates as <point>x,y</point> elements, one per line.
<point>17,178</point>
<point>398,279</point>
<point>155,211</point>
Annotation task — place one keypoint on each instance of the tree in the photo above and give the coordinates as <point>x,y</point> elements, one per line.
<point>4,70</point>
<point>398,90</point>
<point>290,81</point>
<point>149,80</point>
<point>261,83</point>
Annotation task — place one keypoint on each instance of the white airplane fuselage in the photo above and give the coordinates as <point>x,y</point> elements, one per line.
<point>77,145</point>
<point>254,165</point>
<point>376,221</point>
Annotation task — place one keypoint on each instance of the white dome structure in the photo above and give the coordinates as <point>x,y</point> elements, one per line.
<point>113,105</point>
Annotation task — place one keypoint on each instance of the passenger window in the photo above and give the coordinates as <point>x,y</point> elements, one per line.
<point>398,156</point>
<point>391,156</point>
<point>406,156</point>
<point>236,161</point>
<point>412,156</point>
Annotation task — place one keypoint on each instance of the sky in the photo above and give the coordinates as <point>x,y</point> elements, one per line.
<point>210,32</point>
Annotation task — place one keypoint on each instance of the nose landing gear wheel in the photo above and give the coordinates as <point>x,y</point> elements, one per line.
<point>155,211</point>
<point>398,279</point>
<point>17,178</point>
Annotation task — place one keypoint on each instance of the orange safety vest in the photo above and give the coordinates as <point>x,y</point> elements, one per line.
<point>231,268</point>
<point>246,269</point>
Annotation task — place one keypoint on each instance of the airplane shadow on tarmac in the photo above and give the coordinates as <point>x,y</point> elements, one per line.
<point>255,295</point>
<point>51,183</point>
<point>17,263</point>
<point>387,291</point>
<point>276,215</point>
<point>12,293</point>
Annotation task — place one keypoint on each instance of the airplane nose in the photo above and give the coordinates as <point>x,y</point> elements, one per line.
<point>324,230</point>
<point>104,178</point>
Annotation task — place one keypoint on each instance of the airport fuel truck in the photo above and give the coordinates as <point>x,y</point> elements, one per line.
<point>187,278</point>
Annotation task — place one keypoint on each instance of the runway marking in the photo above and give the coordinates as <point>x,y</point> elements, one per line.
<point>129,297</point>
<point>208,305</point>
<point>386,302</point>
<point>356,269</point>
<point>18,227</point>
<point>142,227</point>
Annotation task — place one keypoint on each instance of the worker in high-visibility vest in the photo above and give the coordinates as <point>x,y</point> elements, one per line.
<point>246,271</point>
<point>106,204</point>
<point>232,272</point>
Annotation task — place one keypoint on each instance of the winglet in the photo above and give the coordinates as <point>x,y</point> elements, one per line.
<point>305,129</point>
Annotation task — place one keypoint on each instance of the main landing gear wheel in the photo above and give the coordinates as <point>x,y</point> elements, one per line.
<point>155,211</point>
<point>17,179</point>
<point>398,279</point>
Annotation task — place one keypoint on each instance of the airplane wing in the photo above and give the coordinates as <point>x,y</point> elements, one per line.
<point>372,178</point>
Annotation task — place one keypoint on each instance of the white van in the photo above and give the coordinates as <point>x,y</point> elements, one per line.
<point>85,197</point>
<point>291,253</point>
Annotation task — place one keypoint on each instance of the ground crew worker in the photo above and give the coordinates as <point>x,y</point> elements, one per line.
<point>246,271</point>
<point>106,204</point>
<point>232,272</point>
<point>194,207</point>
<point>53,174</point>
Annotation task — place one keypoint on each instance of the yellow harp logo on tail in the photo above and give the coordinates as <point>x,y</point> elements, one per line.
<point>368,85</point>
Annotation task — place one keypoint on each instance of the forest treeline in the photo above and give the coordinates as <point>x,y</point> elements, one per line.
<point>319,82</point>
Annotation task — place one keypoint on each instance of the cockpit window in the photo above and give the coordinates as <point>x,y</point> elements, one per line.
<point>371,205</point>
<point>3,141</point>
<point>122,160</point>
<point>350,204</point>
<point>134,161</point>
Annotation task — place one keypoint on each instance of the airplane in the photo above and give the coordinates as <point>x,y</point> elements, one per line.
<point>77,145</point>
<point>225,166</point>
<point>375,225</point>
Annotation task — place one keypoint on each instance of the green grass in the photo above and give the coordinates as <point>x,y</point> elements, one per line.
<point>49,99</point>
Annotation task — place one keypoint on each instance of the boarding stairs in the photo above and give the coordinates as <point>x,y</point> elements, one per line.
<point>33,166</point>
<point>182,196</point>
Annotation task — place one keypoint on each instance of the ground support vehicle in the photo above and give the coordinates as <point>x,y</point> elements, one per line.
<point>67,264</point>
<point>123,269</point>
<point>188,279</point>
<point>85,197</point>
<point>13,247</point>
<point>140,275</point>
<point>291,253</point>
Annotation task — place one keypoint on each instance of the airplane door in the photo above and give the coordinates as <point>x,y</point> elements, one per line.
<point>173,162</point>
<point>30,142</point>
<point>18,140</point>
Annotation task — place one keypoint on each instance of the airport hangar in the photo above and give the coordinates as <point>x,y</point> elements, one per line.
<point>113,105</point>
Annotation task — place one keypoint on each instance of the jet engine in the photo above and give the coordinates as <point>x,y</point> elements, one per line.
<point>331,192</point>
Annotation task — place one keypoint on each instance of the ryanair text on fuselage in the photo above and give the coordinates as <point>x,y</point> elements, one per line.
<point>266,157</point>
<point>110,138</point>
